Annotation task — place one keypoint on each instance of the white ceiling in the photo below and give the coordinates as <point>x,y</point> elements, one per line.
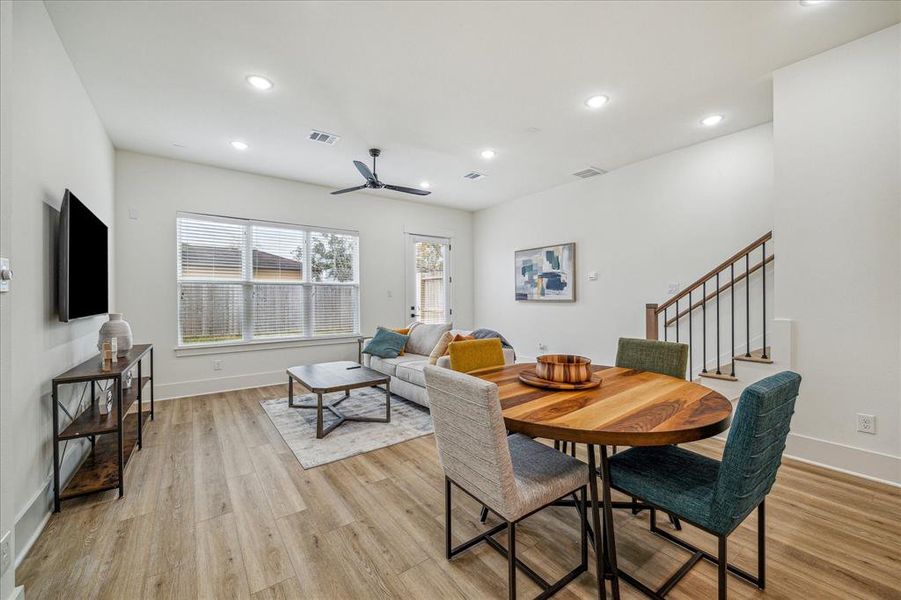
<point>432,84</point>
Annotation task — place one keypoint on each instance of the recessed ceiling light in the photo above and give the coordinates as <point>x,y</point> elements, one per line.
<point>425,185</point>
<point>597,101</point>
<point>811,2</point>
<point>711,120</point>
<point>239,145</point>
<point>488,154</point>
<point>259,82</point>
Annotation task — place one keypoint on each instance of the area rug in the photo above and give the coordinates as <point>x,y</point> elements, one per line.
<point>297,426</point>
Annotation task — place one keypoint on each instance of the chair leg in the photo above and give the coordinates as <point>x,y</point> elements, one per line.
<point>677,524</point>
<point>761,545</point>
<point>722,562</point>
<point>484,515</point>
<point>583,525</point>
<point>599,537</point>
<point>511,559</point>
<point>447,518</point>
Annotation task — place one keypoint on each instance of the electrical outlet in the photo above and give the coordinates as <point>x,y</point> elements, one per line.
<point>5,553</point>
<point>217,365</point>
<point>542,347</point>
<point>673,289</point>
<point>866,423</point>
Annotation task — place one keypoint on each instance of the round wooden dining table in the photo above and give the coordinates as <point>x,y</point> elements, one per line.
<point>629,408</point>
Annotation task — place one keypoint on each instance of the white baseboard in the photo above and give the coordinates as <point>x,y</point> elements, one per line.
<point>198,387</point>
<point>868,464</point>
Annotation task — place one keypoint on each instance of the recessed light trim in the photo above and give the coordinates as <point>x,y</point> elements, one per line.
<point>239,145</point>
<point>811,2</point>
<point>425,185</point>
<point>712,120</point>
<point>488,153</point>
<point>597,101</point>
<point>259,82</point>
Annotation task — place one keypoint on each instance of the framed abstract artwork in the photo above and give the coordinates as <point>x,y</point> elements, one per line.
<point>546,274</point>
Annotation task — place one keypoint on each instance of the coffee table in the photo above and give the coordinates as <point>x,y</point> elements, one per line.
<point>325,378</point>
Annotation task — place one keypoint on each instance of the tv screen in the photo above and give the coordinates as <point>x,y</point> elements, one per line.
<point>83,261</point>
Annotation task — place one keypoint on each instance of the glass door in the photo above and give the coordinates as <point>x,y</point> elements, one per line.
<point>429,279</point>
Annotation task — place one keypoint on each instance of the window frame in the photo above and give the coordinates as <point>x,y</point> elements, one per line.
<point>248,284</point>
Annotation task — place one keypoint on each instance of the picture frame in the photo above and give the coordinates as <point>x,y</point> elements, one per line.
<point>545,274</point>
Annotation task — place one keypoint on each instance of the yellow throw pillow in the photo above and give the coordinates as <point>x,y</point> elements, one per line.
<point>404,331</point>
<point>440,348</point>
<point>471,355</point>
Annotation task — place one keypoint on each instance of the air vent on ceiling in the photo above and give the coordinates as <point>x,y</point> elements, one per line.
<point>323,137</point>
<point>589,172</point>
<point>474,175</point>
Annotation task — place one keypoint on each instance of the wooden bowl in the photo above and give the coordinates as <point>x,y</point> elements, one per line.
<point>563,368</point>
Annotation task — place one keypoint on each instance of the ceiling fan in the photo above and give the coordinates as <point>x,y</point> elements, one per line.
<point>372,179</point>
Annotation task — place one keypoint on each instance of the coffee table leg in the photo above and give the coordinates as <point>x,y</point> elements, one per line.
<point>388,401</point>
<point>319,416</point>
<point>290,392</point>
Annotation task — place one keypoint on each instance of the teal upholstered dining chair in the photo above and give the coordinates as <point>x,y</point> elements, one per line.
<point>716,496</point>
<point>668,358</point>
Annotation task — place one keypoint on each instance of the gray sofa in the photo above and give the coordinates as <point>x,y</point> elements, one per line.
<point>407,378</point>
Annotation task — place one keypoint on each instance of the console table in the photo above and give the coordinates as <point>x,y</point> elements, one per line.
<point>113,436</point>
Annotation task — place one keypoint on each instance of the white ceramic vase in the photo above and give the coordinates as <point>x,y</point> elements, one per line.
<point>118,328</point>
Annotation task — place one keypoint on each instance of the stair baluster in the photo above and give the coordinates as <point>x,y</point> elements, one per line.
<point>718,371</point>
<point>732,310</point>
<point>763,280</point>
<point>748,304</point>
<point>677,320</point>
<point>704,326</point>
<point>691,373</point>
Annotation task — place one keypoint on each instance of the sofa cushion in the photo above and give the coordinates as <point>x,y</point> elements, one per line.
<point>411,372</point>
<point>386,343</point>
<point>424,337</point>
<point>388,366</point>
<point>440,348</point>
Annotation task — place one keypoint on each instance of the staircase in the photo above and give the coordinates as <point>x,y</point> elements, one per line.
<point>723,318</point>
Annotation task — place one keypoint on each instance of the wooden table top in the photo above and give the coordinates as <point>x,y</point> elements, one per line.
<point>630,408</point>
<point>335,376</point>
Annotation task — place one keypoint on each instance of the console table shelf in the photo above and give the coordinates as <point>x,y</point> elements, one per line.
<point>91,422</point>
<point>114,436</point>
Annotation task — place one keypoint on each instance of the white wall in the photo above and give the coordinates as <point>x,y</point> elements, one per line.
<point>7,496</point>
<point>146,292</point>
<point>837,135</point>
<point>667,219</point>
<point>56,141</point>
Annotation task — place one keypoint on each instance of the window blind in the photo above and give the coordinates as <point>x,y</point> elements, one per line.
<point>242,280</point>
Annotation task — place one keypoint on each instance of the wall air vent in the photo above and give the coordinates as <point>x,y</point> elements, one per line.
<point>474,175</point>
<point>324,138</point>
<point>589,172</point>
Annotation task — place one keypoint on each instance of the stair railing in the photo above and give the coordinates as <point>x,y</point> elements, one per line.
<point>653,312</point>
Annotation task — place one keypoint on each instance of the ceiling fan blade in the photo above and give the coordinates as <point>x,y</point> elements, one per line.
<point>364,171</point>
<point>406,190</point>
<point>345,190</point>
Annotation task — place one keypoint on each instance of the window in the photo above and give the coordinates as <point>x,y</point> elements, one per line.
<point>241,281</point>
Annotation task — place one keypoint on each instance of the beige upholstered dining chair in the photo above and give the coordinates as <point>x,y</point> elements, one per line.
<point>513,476</point>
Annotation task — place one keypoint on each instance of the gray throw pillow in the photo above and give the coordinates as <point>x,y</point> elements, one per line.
<point>424,338</point>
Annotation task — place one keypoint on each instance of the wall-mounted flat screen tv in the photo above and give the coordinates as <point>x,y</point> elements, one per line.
<point>83,261</point>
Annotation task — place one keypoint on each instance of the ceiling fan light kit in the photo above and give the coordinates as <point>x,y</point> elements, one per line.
<point>372,179</point>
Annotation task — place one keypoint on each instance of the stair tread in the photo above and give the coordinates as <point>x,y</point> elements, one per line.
<point>756,356</point>
<point>724,376</point>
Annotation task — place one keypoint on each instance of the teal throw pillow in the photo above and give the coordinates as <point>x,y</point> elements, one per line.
<point>386,343</point>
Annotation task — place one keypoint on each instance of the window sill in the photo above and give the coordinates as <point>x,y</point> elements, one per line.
<point>242,346</point>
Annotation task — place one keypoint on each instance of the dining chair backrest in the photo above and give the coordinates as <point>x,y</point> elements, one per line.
<point>668,358</point>
<point>471,437</point>
<point>754,447</point>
